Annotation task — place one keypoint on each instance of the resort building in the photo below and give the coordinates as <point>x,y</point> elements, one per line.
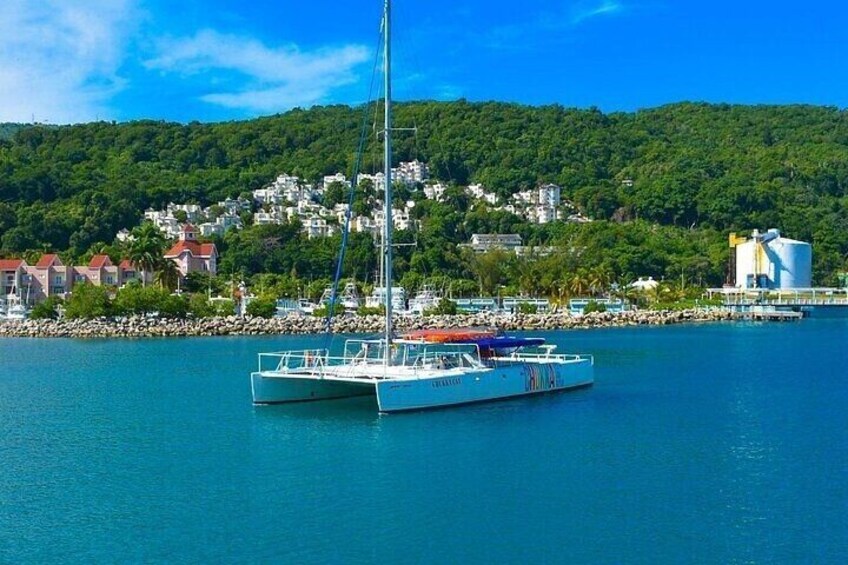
<point>550,195</point>
<point>12,273</point>
<point>434,191</point>
<point>50,277</point>
<point>191,255</point>
<point>479,192</point>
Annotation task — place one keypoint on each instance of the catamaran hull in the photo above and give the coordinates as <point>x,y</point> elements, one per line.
<point>271,388</point>
<point>519,379</point>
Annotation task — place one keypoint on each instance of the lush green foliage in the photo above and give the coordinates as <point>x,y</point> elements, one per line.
<point>527,308</point>
<point>135,299</point>
<point>226,307</point>
<point>200,307</point>
<point>262,307</point>
<point>593,306</point>
<point>46,309</point>
<point>88,301</point>
<point>445,306</point>
<point>378,310</point>
<point>321,312</point>
<point>697,170</point>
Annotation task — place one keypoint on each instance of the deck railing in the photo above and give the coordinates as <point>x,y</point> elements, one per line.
<point>543,357</point>
<point>286,361</point>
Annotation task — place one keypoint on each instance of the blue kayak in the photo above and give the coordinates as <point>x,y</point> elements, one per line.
<point>505,342</point>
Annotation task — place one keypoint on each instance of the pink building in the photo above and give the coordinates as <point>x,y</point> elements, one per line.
<point>191,255</point>
<point>12,273</point>
<point>50,277</point>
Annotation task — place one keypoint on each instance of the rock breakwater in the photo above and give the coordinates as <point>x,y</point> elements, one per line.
<point>137,327</point>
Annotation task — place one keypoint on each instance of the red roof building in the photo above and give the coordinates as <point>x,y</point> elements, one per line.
<point>49,277</point>
<point>192,256</point>
<point>49,260</point>
<point>11,276</point>
<point>11,264</point>
<point>99,261</point>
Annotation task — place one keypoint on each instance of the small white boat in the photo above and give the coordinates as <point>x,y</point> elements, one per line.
<point>427,369</point>
<point>425,299</point>
<point>377,298</point>
<point>14,309</point>
<point>348,297</point>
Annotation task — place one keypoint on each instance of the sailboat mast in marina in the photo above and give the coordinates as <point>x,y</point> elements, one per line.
<point>387,175</point>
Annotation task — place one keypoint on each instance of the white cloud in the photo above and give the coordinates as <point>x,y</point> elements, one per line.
<point>545,28</point>
<point>275,78</point>
<point>584,11</point>
<point>59,60</point>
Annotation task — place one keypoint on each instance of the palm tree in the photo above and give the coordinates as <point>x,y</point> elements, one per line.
<point>167,274</point>
<point>599,280</point>
<point>577,283</point>
<point>146,248</point>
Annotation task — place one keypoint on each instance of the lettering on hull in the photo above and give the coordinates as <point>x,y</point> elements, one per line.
<point>539,377</point>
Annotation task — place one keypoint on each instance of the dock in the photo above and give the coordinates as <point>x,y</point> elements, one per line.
<point>769,315</point>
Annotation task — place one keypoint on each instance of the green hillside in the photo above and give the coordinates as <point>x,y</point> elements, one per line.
<point>8,130</point>
<point>697,172</point>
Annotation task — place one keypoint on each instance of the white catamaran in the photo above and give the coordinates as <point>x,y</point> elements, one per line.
<point>425,369</point>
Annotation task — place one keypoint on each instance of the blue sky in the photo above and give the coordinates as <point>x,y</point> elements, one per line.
<point>64,61</point>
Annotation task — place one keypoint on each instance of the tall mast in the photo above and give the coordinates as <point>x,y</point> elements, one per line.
<point>387,202</point>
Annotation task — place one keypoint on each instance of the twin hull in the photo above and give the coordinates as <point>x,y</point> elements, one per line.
<point>397,394</point>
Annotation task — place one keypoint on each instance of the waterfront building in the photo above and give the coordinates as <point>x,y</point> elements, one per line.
<point>12,273</point>
<point>191,255</point>
<point>576,306</point>
<point>51,277</point>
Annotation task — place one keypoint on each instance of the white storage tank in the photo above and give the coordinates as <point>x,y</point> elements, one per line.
<point>767,260</point>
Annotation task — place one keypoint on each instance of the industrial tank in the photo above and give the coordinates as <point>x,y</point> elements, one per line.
<point>767,260</point>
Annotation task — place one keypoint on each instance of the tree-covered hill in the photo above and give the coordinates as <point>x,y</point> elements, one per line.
<point>8,129</point>
<point>705,169</point>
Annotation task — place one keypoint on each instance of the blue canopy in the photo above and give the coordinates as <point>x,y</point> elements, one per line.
<point>505,342</point>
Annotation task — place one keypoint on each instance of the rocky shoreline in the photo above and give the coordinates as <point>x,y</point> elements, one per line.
<point>138,327</point>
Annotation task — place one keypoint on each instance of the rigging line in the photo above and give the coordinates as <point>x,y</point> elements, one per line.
<point>363,134</point>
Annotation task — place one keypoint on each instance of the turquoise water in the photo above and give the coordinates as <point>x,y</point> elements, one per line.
<point>716,443</point>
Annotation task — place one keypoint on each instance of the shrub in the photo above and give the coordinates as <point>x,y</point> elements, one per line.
<point>87,301</point>
<point>225,307</point>
<point>371,310</point>
<point>262,307</point>
<point>321,311</point>
<point>593,306</point>
<point>444,307</point>
<point>135,299</point>
<point>200,307</point>
<point>174,306</point>
<point>527,308</point>
<point>47,309</point>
